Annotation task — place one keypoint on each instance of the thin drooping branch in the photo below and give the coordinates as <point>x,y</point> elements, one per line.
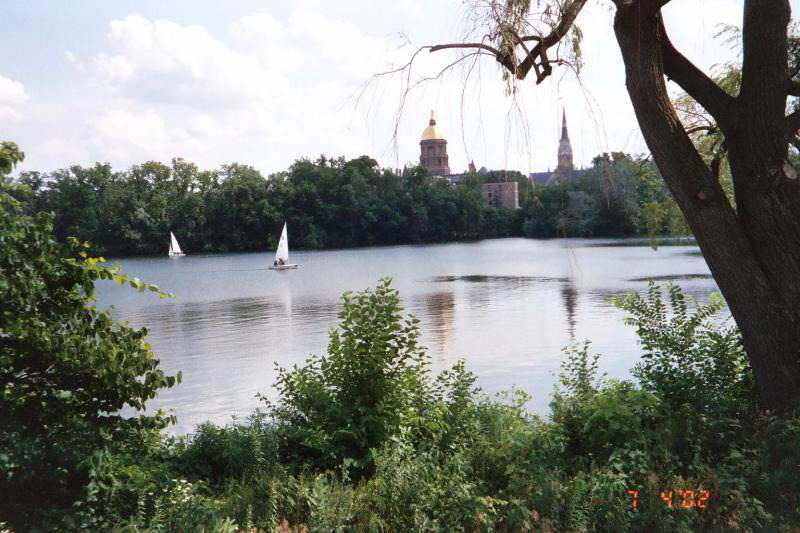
<point>535,58</point>
<point>696,83</point>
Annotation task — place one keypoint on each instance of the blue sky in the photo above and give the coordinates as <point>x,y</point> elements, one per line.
<point>266,82</point>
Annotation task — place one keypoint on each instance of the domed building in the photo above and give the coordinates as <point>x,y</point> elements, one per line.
<point>433,150</point>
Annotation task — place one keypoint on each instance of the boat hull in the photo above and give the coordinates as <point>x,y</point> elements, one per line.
<point>177,255</point>
<point>283,267</point>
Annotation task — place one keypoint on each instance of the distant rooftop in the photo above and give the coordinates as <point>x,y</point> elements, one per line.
<point>544,179</point>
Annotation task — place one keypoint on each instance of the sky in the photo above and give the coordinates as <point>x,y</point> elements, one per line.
<point>266,82</point>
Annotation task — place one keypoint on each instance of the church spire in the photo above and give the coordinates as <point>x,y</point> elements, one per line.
<point>564,146</point>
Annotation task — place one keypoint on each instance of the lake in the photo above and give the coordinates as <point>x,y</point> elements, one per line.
<point>506,306</point>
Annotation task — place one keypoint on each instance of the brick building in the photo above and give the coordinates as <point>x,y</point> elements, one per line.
<point>501,194</point>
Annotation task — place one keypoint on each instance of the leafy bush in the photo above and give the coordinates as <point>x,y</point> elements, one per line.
<point>65,370</point>
<point>688,360</point>
<point>374,381</point>
<point>242,450</point>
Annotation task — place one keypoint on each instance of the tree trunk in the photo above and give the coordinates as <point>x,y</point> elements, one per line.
<point>753,254</point>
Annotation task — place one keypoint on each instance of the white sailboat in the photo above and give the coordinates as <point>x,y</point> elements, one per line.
<point>174,247</point>
<point>282,254</point>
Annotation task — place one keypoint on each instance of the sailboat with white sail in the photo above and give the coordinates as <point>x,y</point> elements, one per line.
<point>282,254</point>
<point>174,247</point>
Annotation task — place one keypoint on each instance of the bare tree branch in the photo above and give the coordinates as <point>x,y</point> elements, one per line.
<point>504,60</point>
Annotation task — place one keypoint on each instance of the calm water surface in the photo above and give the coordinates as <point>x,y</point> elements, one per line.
<point>506,306</point>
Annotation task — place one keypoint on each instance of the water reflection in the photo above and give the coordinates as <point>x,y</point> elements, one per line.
<point>570,296</point>
<point>439,320</point>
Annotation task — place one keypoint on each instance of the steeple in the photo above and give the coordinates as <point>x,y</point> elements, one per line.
<point>564,146</point>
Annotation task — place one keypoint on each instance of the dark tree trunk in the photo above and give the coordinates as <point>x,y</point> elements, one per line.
<point>753,252</point>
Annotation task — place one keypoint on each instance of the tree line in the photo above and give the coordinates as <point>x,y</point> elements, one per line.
<point>334,202</point>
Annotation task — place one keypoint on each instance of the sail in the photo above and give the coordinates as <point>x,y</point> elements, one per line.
<point>283,246</point>
<point>174,247</point>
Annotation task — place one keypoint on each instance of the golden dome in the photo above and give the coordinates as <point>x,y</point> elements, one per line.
<point>432,132</point>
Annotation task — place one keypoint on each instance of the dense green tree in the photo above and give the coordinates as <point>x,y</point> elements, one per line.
<point>613,183</point>
<point>332,202</point>
<point>240,208</point>
<point>580,214</point>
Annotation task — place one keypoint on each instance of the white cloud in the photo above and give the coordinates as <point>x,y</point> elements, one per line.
<point>12,95</point>
<point>265,94</point>
<point>128,135</point>
<point>162,61</point>
<point>412,7</point>
<point>11,92</point>
<point>74,60</point>
<point>311,46</point>
<point>63,150</point>
<point>694,35</point>
<point>329,43</point>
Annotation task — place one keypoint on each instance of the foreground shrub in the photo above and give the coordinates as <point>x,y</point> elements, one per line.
<point>66,369</point>
<point>689,359</point>
<point>374,381</point>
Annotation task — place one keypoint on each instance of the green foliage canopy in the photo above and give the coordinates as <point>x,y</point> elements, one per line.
<point>335,203</point>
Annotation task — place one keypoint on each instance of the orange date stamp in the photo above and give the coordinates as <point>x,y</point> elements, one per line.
<point>678,499</point>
